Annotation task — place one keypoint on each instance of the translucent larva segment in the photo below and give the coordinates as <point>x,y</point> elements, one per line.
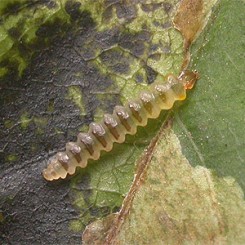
<point>178,87</point>
<point>179,91</point>
<point>148,100</point>
<point>115,127</point>
<point>84,154</point>
<point>65,161</point>
<point>165,96</point>
<point>125,116</point>
<point>101,133</point>
<point>74,153</point>
<point>54,170</point>
<point>53,173</point>
<point>59,169</point>
<point>47,174</point>
<point>89,145</point>
<point>138,112</point>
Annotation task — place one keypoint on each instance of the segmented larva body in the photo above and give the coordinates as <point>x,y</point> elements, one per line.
<point>113,128</point>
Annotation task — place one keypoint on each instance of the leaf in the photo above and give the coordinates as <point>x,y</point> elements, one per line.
<point>210,125</point>
<point>63,64</point>
<point>177,203</point>
<point>174,203</point>
<point>72,61</point>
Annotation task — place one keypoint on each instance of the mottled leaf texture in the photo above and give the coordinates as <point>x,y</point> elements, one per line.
<point>175,204</point>
<point>200,201</point>
<point>63,64</point>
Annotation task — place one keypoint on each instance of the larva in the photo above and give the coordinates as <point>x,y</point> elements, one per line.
<point>113,128</point>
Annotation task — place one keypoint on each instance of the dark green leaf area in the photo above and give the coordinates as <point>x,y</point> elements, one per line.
<point>13,7</point>
<point>31,209</point>
<point>60,69</point>
<point>215,113</point>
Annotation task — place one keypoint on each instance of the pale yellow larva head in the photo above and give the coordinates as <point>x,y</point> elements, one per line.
<point>189,78</point>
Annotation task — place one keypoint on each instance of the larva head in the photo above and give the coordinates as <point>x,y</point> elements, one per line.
<point>189,78</point>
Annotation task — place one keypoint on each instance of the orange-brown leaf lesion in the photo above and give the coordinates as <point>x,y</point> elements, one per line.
<point>189,20</point>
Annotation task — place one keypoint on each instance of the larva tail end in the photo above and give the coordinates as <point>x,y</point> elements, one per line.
<point>46,175</point>
<point>189,78</point>
<point>50,174</point>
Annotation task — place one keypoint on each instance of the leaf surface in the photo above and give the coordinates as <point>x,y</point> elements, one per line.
<point>65,63</point>
<point>62,65</point>
<point>180,202</point>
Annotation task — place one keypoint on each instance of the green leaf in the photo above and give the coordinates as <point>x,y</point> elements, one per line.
<point>65,63</point>
<point>211,123</point>
<point>179,201</point>
<point>174,203</point>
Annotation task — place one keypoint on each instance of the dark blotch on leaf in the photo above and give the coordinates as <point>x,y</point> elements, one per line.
<point>12,8</point>
<point>23,226</point>
<point>136,47</point>
<point>127,12</point>
<point>135,42</point>
<point>107,14</point>
<point>86,21</point>
<point>167,7</point>
<point>107,38</point>
<point>166,25</point>
<point>139,78</point>
<point>15,7</point>
<point>156,57</point>
<point>15,32</point>
<point>154,6</point>
<point>151,7</point>
<point>151,74</point>
<point>72,8</point>
<point>115,60</point>
<point>51,29</point>
<point>83,18</point>
<point>111,2</point>
<point>9,80</point>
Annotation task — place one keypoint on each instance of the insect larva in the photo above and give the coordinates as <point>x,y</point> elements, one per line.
<point>114,128</point>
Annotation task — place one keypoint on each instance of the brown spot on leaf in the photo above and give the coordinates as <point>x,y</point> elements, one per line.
<point>189,19</point>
